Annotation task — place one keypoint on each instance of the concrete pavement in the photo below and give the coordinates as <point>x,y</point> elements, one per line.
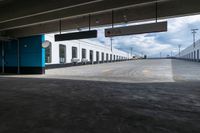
<point>137,71</point>
<point>165,99</point>
<point>148,71</point>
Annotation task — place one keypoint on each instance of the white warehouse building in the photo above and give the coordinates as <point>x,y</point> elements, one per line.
<point>81,51</point>
<point>191,53</point>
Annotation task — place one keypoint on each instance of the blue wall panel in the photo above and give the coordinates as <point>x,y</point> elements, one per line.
<point>10,52</point>
<point>31,55</point>
<point>31,51</point>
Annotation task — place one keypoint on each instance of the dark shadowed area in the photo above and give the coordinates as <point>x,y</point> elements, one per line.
<point>73,106</point>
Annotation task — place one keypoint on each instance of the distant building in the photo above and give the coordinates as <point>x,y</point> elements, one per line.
<point>191,53</point>
<point>81,51</point>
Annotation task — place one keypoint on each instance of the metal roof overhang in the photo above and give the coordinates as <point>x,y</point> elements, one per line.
<point>39,17</point>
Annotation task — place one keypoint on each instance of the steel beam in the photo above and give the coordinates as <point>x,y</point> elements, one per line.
<point>167,9</point>
<point>8,21</point>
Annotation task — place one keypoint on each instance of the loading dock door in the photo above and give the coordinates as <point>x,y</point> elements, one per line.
<point>102,57</point>
<point>62,53</point>
<point>106,57</point>
<point>91,56</point>
<point>97,57</point>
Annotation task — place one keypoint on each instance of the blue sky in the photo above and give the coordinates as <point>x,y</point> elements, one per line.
<point>179,32</point>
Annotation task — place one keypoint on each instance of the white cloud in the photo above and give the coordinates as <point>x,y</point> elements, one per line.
<point>179,32</point>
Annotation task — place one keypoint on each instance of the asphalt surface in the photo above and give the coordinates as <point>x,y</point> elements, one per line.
<point>53,104</point>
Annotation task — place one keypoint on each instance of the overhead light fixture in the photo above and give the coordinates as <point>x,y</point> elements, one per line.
<point>125,18</point>
<point>136,29</point>
<point>78,28</point>
<point>97,21</point>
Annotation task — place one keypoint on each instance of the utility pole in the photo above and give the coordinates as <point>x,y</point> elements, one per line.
<point>194,31</point>
<point>160,54</point>
<point>179,48</point>
<point>111,40</point>
<point>131,52</point>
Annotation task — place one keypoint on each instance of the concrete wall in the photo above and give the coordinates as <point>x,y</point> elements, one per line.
<point>86,44</point>
<point>191,53</point>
